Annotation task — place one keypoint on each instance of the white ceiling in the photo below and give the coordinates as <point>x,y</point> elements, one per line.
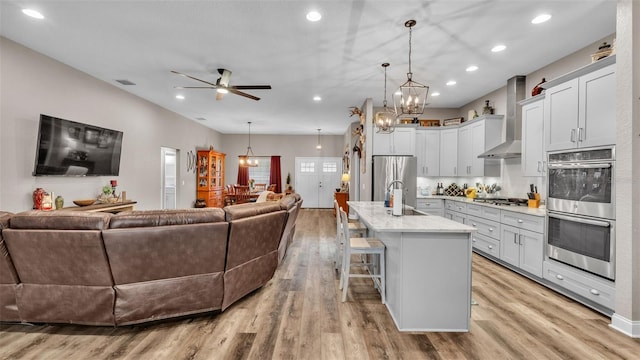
<point>271,42</point>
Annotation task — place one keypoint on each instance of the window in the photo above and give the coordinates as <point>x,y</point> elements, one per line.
<point>329,167</point>
<point>261,173</point>
<point>307,167</point>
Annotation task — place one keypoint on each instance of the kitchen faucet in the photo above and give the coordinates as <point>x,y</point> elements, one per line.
<point>393,182</point>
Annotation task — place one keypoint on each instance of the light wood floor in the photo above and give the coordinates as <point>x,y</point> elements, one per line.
<point>298,315</point>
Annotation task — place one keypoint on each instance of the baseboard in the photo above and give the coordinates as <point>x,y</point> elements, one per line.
<point>625,326</point>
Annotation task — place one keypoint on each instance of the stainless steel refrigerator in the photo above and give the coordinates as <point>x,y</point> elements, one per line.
<point>389,168</point>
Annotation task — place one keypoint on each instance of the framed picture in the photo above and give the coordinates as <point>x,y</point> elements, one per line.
<point>105,138</point>
<point>91,135</point>
<point>74,132</point>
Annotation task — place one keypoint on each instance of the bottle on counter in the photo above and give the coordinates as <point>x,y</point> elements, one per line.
<point>391,201</point>
<point>386,199</point>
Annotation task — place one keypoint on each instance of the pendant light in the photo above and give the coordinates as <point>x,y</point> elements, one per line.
<point>319,146</point>
<point>411,96</point>
<point>385,120</point>
<point>248,160</point>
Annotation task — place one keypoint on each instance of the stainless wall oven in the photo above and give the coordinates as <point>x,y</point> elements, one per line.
<point>584,242</point>
<point>582,182</point>
<point>581,209</point>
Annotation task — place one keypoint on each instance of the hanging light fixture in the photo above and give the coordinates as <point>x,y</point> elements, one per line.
<point>385,120</point>
<point>319,146</point>
<point>248,160</point>
<point>412,96</point>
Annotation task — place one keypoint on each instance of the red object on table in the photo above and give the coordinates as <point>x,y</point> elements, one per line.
<point>114,183</point>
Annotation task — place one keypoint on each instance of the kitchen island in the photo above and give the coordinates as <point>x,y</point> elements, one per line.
<point>428,262</point>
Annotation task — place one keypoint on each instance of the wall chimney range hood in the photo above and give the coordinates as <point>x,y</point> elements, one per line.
<point>512,146</point>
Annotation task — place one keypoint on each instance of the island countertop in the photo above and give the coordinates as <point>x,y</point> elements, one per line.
<point>378,218</point>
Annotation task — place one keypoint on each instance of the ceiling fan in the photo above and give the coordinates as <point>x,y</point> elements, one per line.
<point>222,85</point>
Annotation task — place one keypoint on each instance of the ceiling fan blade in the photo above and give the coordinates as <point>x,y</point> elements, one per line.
<point>195,87</point>
<point>232,90</point>
<point>191,77</point>
<point>251,87</point>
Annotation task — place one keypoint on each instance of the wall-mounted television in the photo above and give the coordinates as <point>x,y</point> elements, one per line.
<point>70,148</point>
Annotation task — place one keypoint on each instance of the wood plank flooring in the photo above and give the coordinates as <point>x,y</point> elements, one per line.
<point>299,315</point>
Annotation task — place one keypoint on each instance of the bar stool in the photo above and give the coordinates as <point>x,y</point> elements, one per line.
<point>355,228</point>
<point>363,246</point>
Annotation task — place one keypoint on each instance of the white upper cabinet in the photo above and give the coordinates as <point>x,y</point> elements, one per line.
<point>400,142</point>
<point>449,152</point>
<point>533,160</point>
<point>580,112</point>
<point>428,152</point>
<point>474,138</point>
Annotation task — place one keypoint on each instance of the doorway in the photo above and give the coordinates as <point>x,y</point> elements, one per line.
<point>169,177</point>
<point>317,178</point>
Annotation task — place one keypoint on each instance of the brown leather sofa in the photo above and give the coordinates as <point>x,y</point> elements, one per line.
<point>139,266</point>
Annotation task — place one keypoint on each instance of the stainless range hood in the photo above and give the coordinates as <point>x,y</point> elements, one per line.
<point>512,146</point>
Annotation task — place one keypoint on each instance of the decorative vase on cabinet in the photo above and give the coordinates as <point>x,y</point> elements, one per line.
<point>210,177</point>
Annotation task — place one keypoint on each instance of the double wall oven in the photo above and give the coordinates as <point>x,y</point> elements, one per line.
<point>581,209</point>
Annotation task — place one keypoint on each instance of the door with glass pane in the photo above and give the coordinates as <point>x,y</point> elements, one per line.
<point>169,177</point>
<point>317,178</point>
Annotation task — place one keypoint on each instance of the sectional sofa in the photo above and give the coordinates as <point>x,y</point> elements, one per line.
<point>138,266</point>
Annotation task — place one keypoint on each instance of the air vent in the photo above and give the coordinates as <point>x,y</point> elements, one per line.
<point>201,119</point>
<point>125,82</point>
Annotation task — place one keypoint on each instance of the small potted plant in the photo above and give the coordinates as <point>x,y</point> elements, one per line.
<point>289,188</point>
<point>107,194</point>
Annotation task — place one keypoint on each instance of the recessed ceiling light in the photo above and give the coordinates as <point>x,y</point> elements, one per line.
<point>541,18</point>
<point>314,16</point>
<point>180,97</point>
<point>472,68</point>
<point>498,48</point>
<point>33,13</point>
<point>317,98</point>
<point>451,82</point>
<point>435,94</point>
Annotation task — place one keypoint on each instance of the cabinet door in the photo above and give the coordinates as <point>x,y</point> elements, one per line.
<point>464,150</point>
<point>531,252</point>
<point>561,116</point>
<point>448,152</point>
<point>476,165</point>
<point>432,161</point>
<point>458,217</point>
<point>404,141</point>
<point>421,152</point>
<point>597,114</point>
<point>509,245</point>
<point>533,139</point>
<point>382,144</point>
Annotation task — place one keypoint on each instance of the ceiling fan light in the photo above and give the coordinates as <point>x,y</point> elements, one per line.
<point>222,91</point>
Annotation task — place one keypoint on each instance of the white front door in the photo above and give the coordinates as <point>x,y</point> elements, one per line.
<point>169,177</point>
<point>317,178</point>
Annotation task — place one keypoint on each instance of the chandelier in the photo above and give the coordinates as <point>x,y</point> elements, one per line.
<point>385,120</point>
<point>411,96</point>
<point>248,160</point>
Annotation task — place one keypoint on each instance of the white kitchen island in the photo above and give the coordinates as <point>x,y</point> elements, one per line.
<point>428,261</point>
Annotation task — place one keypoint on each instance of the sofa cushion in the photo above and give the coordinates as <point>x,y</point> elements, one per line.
<point>287,202</point>
<point>60,220</point>
<point>8,277</point>
<point>148,218</point>
<point>240,211</point>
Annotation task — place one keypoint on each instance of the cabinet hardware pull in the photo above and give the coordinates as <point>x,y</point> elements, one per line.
<point>490,247</point>
<point>559,277</point>
<point>515,238</point>
<point>573,135</point>
<point>544,166</point>
<point>473,224</point>
<point>539,166</point>
<point>427,171</point>
<point>520,239</point>
<point>579,134</point>
<point>490,229</point>
<point>519,221</point>
<point>594,292</point>
<point>473,240</point>
<point>455,170</point>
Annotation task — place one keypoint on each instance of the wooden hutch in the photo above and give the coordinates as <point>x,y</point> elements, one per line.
<point>210,177</point>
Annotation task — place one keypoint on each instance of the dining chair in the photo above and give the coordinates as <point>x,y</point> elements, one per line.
<point>259,187</point>
<point>229,196</point>
<point>363,246</point>
<point>242,194</point>
<point>355,228</point>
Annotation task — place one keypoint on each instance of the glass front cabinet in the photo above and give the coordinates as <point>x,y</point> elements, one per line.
<point>210,177</point>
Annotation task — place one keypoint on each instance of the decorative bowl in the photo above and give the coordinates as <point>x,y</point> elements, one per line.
<point>84,202</point>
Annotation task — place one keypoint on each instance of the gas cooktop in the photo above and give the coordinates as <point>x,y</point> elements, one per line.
<point>502,201</point>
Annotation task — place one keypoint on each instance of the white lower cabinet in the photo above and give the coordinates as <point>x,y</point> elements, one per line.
<point>522,248</point>
<point>486,244</point>
<point>431,206</point>
<point>591,287</point>
<point>455,210</point>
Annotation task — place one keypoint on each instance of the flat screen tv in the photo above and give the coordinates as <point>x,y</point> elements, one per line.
<point>70,148</point>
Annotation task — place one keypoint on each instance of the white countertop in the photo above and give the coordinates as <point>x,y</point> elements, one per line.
<point>376,217</point>
<point>518,209</point>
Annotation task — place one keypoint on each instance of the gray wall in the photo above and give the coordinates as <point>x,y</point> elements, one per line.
<point>33,84</point>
